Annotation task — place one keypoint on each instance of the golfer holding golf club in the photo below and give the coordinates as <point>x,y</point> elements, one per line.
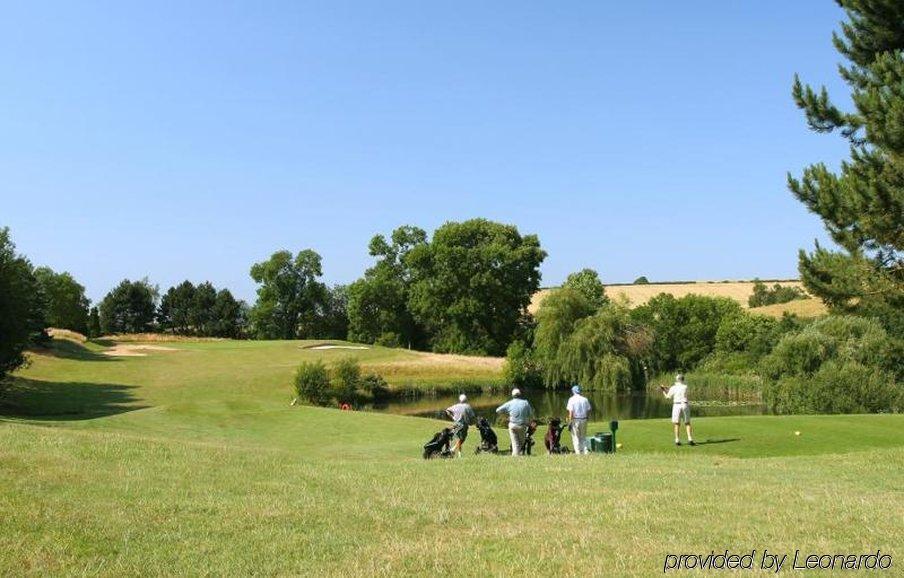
<point>681,408</point>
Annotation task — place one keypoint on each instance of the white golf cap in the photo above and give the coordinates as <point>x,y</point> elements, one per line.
<point>516,392</point>
<point>462,398</point>
<point>679,377</point>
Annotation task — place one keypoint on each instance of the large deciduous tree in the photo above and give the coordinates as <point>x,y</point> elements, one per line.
<point>378,302</point>
<point>129,308</point>
<point>587,282</point>
<point>66,303</point>
<point>290,295</point>
<point>862,205</point>
<point>472,283</point>
<point>21,305</point>
<point>684,329</point>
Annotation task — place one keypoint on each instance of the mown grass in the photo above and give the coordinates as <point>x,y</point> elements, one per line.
<point>199,470</point>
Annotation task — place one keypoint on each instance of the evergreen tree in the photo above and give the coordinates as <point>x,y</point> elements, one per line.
<point>93,323</point>
<point>175,309</point>
<point>862,206</point>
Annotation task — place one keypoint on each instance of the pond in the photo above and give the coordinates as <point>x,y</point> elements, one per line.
<point>607,406</point>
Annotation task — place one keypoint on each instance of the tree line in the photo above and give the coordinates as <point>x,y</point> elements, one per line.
<point>464,290</point>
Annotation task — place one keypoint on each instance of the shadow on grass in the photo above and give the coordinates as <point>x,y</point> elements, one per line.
<point>64,401</point>
<point>65,349</point>
<point>718,441</point>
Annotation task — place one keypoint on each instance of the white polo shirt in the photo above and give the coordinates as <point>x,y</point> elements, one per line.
<point>678,393</point>
<point>579,406</point>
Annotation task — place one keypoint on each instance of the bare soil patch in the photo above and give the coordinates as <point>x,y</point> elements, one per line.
<point>123,350</point>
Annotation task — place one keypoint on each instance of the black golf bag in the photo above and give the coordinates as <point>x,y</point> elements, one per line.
<point>529,437</point>
<point>438,447</point>
<point>488,441</point>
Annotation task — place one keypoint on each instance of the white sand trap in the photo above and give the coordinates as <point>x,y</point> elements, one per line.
<point>328,346</point>
<point>135,350</point>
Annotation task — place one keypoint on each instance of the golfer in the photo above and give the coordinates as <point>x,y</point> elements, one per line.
<point>462,416</point>
<point>578,408</point>
<point>520,413</point>
<point>681,409</point>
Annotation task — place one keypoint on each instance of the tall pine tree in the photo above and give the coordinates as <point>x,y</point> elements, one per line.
<point>862,206</point>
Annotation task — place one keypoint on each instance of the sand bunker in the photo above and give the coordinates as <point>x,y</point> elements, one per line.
<point>134,350</point>
<point>328,346</point>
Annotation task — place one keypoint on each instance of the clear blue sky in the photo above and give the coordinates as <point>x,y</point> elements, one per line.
<point>182,140</point>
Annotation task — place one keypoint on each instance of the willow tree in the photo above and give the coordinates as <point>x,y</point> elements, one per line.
<point>862,204</point>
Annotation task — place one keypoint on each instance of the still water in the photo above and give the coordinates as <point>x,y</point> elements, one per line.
<point>607,406</point>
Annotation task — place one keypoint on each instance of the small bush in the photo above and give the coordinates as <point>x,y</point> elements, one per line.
<point>838,364</point>
<point>778,294</point>
<point>312,383</point>
<point>745,333</point>
<point>836,388</point>
<point>389,339</point>
<point>375,385</point>
<point>346,377</point>
<point>642,280</point>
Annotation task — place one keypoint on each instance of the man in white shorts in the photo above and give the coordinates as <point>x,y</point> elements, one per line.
<point>681,408</point>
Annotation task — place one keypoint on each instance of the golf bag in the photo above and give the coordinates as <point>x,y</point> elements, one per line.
<point>438,447</point>
<point>553,439</point>
<point>488,441</point>
<point>529,437</point>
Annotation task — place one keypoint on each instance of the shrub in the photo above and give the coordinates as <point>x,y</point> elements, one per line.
<point>836,364</point>
<point>389,339</point>
<point>642,280</point>
<point>746,333</point>
<point>346,377</point>
<point>778,294</point>
<point>837,387</point>
<point>521,367</point>
<point>375,385</point>
<point>312,383</point>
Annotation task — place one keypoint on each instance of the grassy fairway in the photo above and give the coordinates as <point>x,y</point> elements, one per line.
<point>188,469</point>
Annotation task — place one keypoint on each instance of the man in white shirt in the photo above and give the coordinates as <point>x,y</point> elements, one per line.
<point>578,412</point>
<point>681,408</point>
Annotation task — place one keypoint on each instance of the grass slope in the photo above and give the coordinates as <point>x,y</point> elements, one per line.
<point>740,291</point>
<point>801,307</point>
<point>199,470</point>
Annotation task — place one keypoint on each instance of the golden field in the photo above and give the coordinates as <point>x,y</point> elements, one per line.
<point>636,295</point>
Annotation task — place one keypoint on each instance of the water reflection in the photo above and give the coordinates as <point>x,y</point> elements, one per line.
<point>606,406</point>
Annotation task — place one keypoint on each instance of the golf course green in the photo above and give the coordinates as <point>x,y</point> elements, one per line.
<point>191,461</point>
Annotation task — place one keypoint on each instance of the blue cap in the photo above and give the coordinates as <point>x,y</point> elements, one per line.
<point>576,389</point>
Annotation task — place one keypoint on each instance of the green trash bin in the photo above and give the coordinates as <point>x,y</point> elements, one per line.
<point>606,445</point>
<point>596,442</point>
